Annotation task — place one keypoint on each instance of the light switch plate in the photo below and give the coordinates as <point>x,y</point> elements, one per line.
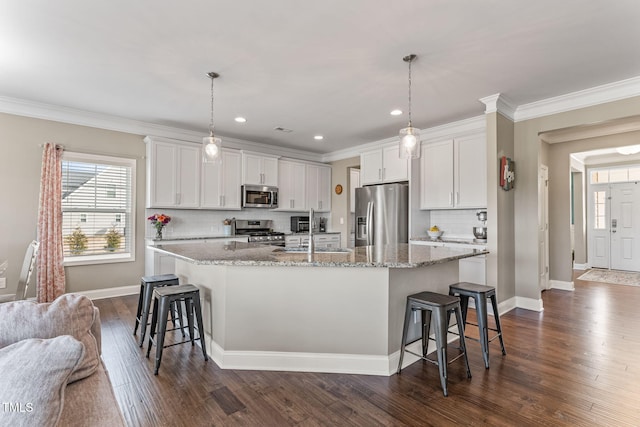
<point>3,282</point>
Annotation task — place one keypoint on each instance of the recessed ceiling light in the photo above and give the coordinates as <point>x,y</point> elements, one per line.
<point>318,137</point>
<point>240,119</point>
<point>396,112</point>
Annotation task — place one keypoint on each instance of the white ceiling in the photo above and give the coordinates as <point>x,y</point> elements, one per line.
<point>330,67</point>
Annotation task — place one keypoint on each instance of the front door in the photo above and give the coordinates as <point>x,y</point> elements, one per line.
<point>625,227</point>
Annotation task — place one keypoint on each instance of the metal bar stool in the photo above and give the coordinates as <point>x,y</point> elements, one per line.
<point>480,293</point>
<point>163,297</point>
<point>440,306</point>
<point>147,285</point>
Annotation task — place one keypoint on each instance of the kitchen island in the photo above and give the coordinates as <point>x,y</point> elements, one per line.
<point>269,309</point>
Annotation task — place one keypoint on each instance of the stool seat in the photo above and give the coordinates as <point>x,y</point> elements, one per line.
<point>440,306</point>
<point>147,285</point>
<point>480,293</point>
<point>163,298</point>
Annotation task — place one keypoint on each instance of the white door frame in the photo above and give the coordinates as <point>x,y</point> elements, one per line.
<point>543,227</point>
<point>598,239</point>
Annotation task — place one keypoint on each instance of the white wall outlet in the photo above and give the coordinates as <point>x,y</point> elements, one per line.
<point>3,282</point>
<point>341,221</point>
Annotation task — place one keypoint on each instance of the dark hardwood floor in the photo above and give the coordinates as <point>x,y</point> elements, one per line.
<point>577,363</point>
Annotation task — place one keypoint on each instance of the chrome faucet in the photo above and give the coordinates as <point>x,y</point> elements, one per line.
<point>311,247</point>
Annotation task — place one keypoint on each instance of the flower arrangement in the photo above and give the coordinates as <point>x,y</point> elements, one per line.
<point>159,221</point>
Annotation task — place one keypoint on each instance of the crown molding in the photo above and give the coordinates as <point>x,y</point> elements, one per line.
<point>500,104</point>
<point>56,113</point>
<point>456,129</point>
<point>609,92</point>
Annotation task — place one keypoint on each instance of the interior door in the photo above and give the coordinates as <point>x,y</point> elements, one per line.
<point>598,226</point>
<point>625,230</point>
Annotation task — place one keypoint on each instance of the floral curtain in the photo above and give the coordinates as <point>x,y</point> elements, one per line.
<point>51,278</point>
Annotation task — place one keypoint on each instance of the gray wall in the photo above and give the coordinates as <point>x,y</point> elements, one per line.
<point>340,202</point>
<point>20,140</point>
<point>527,157</point>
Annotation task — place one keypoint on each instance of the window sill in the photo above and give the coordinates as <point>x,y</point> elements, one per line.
<point>97,259</point>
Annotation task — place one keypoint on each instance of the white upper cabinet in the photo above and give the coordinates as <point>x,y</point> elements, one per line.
<point>173,174</point>
<point>259,169</point>
<point>220,186</point>
<point>453,174</point>
<point>291,186</point>
<point>319,188</point>
<point>383,165</point>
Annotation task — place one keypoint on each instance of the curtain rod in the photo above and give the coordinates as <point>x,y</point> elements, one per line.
<point>97,153</point>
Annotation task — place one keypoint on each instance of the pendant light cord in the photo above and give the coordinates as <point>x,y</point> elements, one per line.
<point>410,61</point>
<point>211,122</point>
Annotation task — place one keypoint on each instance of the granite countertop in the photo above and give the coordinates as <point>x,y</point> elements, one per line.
<point>195,238</point>
<point>401,255</point>
<point>459,241</point>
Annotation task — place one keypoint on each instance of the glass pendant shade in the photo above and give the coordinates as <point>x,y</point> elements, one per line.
<point>409,146</point>
<point>211,149</point>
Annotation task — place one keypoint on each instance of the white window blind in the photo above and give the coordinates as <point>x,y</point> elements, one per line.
<point>97,208</point>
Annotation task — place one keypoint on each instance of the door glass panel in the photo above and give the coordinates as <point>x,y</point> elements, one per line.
<point>600,214</point>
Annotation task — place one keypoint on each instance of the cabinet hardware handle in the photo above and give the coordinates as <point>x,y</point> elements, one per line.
<point>384,173</point>
<point>451,199</point>
<point>319,204</point>
<point>380,174</point>
<point>220,201</point>
<point>457,198</point>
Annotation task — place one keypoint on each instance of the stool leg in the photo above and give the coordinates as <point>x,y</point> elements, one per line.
<point>152,328</point>
<point>198,310</point>
<point>426,331</point>
<point>407,319</point>
<point>139,310</point>
<point>496,316</point>
<point>179,309</point>
<point>441,347</point>
<point>146,306</point>
<point>481,311</point>
<point>188,305</point>
<point>464,306</point>
<point>163,308</point>
<point>463,344</point>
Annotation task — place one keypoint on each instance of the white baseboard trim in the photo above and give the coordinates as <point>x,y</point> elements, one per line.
<point>506,306</point>
<point>581,266</point>
<point>559,284</point>
<point>358,364</point>
<point>110,292</point>
<point>530,304</point>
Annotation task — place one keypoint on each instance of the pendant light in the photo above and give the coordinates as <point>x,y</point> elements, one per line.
<point>409,145</point>
<point>211,145</point>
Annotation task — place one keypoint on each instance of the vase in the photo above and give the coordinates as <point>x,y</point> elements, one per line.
<point>159,233</point>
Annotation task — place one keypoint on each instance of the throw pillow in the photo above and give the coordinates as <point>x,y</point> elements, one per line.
<point>68,315</point>
<point>33,378</point>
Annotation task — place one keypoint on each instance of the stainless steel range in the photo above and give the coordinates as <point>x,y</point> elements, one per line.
<point>259,231</point>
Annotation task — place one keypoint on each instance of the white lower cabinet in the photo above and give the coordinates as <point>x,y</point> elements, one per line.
<point>322,240</point>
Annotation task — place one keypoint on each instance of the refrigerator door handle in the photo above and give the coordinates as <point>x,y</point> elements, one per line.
<point>370,223</point>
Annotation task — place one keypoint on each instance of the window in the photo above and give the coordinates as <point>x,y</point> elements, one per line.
<point>600,213</point>
<point>98,214</point>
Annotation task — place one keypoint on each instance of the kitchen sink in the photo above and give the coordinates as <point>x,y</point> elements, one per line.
<point>317,250</point>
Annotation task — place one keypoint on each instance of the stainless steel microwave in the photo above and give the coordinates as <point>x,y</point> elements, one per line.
<point>258,196</point>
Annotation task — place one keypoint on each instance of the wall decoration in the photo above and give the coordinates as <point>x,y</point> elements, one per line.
<point>338,189</point>
<point>507,173</point>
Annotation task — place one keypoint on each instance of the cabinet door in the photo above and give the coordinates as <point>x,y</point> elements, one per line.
<point>251,169</point>
<point>189,161</point>
<point>471,172</point>
<point>436,175</point>
<point>371,167</point>
<point>291,186</point>
<point>220,185</point>
<point>319,188</point>
<point>270,171</point>
<point>162,186</point>
<point>394,168</point>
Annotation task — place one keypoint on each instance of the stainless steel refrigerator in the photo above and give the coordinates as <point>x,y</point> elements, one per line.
<point>382,214</point>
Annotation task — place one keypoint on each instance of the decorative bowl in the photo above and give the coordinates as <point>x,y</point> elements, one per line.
<point>435,234</point>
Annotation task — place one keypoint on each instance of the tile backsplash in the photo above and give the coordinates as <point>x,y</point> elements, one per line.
<point>456,223</point>
<point>203,223</point>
